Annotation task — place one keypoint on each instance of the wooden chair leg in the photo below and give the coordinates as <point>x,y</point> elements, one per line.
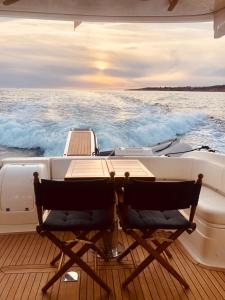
<point>168,253</point>
<point>55,259</point>
<point>71,245</point>
<point>134,245</point>
<point>91,273</point>
<point>146,262</point>
<point>92,241</point>
<point>169,268</point>
<point>74,258</point>
<point>63,269</point>
<point>154,254</point>
<point>127,251</point>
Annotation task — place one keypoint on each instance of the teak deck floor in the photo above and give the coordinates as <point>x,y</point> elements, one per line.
<point>24,269</point>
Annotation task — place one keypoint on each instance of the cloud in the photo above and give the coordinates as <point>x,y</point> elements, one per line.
<point>37,53</point>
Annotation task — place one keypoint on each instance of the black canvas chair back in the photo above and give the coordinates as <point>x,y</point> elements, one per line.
<point>161,195</point>
<point>148,208</point>
<point>80,207</point>
<point>74,195</point>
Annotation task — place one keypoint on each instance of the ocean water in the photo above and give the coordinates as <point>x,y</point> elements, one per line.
<point>36,121</point>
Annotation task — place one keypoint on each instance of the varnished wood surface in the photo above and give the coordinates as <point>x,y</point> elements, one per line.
<point>24,269</point>
<point>79,144</point>
<point>101,168</point>
<point>90,168</point>
<point>135,168</point>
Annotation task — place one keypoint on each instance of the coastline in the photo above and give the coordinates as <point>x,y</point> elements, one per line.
<point>213,88</point>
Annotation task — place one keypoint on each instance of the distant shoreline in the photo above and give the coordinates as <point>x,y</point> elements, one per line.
<point>213,88</point>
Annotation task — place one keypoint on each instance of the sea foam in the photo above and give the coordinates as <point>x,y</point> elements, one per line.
<point>42,118</point>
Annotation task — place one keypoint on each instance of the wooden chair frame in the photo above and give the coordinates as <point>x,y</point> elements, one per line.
<point>154,247</point>
<point>66,248</point>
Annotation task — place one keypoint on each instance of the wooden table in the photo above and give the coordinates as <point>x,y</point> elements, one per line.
<point>101,168</point>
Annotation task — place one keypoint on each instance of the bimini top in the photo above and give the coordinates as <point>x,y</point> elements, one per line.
<point>120,10</point>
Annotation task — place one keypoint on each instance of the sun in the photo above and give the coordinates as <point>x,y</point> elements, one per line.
<point>101,65</point>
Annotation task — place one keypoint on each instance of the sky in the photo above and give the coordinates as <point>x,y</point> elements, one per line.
<point>50,54</point>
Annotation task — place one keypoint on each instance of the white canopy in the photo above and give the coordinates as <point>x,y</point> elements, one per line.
<point>120,11</point>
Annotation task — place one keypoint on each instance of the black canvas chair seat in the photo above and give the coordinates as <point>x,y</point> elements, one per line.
<point>81,207</point>
<point>77,220</point>
<point>150,207</point>
<point>145,219</point>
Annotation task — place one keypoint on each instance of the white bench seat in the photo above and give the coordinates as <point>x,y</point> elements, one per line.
<point>211,206</point>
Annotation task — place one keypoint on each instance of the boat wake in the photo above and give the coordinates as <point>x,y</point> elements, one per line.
<point>19,152</point>
<point>37,119</point>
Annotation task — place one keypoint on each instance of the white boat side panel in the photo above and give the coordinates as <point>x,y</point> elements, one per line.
<point>207,156</point>
<point>171,168</point>
<point>13,219</point>
<point>28,160</point>
<point>59,167</point>
<point>17,201</point>
<point>19,228</point>
<point>17,186</point>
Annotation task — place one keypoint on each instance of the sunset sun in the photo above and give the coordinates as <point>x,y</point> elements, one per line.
<point>101,65</point>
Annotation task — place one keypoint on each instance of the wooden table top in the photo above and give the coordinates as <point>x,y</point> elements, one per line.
<point>101,168</point>
<point>88,168</point>
<point>135,168</point>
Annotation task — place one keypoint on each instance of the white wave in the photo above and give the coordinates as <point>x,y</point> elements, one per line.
<point>42,118</point>
<point>150,130</point>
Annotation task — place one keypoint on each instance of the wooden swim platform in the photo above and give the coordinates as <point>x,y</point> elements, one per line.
<point>80,143</point>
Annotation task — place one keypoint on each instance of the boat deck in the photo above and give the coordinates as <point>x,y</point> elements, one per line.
<point>24,269</point>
